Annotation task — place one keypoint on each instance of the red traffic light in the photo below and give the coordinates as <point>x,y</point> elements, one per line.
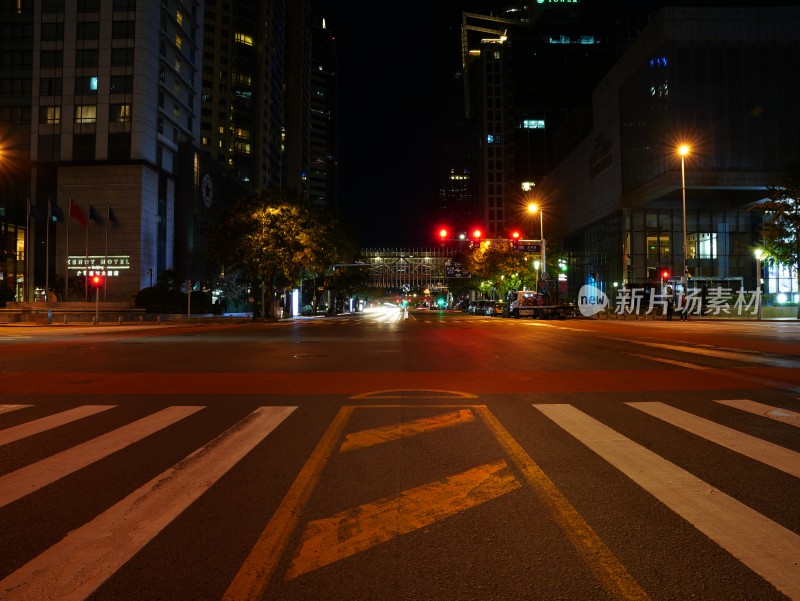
<point>664,274</point>
<point>477,234</point>
<point>443,233</point>
<point>515,235</point>
<point>97,280</point>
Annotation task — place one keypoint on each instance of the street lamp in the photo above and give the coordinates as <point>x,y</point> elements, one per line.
<point>759,252</point>
<point>684,150</point>
<point>534,208</point>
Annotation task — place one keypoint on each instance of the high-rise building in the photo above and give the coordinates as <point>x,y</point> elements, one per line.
<point>125,126</point>
<point>720,80</point>
<point>99,98</point>
<point>241,114</point>
<point>525,73</point>
<point>324,103</point>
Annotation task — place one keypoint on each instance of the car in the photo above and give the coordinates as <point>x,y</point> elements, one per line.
<point>496,308</point>
<point>477,307</point>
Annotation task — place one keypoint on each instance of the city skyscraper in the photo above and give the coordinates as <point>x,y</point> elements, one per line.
<point>124,126</point>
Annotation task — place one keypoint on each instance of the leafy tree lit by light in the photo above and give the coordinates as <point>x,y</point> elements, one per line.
<point>780,230</point>
<point>277,239</point>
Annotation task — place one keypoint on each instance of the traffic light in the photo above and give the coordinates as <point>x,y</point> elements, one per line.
<point>443,233</point>
<point>665,274</point>
<point>562,265</point>
<point>477,234</point>
<point>515,236</point>
<point>97,280</point>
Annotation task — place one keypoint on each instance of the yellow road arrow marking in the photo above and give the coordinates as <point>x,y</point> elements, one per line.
<point>253,577</point>
<point>374,436</point>
<point>351,531</point>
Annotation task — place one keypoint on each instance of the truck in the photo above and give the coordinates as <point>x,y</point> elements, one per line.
<point>529,303</point>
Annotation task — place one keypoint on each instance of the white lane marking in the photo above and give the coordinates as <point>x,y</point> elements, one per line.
<point>48,423</point>
<point>75,567</point>
<point>766,452</point>
<point>9,408</point>
<point>745,356</point>
<point>764,546</point>
<point>669,361</point>
<point>782,415</point>
<point>31,478</point>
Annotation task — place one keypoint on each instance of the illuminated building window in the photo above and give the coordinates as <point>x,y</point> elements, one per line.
<point>533,124</point>
<point>701,246</point>
<point>85,113</point>
<point>782,280</point>
<point>50,115</point>
<point>243,38</point>
<point>120,113</point>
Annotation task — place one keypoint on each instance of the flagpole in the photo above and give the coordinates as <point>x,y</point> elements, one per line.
<point>66,277</point>
<point>27,249</point>
<point>86,250</point>
<point>47,250</point>
<point>105,260</point>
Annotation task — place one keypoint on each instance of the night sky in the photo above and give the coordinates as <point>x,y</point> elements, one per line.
<point>388,70</point>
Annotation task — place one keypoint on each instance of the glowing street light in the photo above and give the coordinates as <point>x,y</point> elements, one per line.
<point>532,209</point>
<point>683,151</point>
<point>759,252</point>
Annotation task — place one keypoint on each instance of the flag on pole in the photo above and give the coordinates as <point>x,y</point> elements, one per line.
<point>34,212</point>
<point>54,213</point>
<point>111,217</point>
<point>95,216</point>
<point>75,211</point>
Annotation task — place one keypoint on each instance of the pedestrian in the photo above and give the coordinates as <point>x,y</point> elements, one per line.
<point>669,309</point>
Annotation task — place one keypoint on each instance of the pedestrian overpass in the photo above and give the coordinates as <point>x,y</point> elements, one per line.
<point>410,269</point>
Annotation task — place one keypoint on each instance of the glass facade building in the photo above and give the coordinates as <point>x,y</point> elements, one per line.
<point>723,81</point>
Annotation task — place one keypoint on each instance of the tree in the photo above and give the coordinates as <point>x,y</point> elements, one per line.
<point>780,228</point>
<point>498,265</point>
<point>275,239</point>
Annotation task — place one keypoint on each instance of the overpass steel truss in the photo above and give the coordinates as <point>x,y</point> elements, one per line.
<point>407,269</point>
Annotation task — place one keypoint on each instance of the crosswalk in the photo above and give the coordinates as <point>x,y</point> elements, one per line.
<point>766,547</point>
<point>87,556</point>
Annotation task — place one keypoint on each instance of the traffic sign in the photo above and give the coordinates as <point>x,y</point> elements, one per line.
<point>455,270</point>
<point>526,246</point>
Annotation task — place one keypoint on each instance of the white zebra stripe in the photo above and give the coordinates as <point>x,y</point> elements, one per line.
<point>38,426</point>
<point>10,408</point>
<point>766,452</point>
<point>781,415</point>
<point>76,566</point>
<point>28,479</point>
<point>764,546</point>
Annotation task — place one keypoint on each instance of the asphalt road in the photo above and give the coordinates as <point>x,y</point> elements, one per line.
<point>373,456</point>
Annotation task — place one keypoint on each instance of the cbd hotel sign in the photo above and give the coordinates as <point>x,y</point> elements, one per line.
<point>109,266</point>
